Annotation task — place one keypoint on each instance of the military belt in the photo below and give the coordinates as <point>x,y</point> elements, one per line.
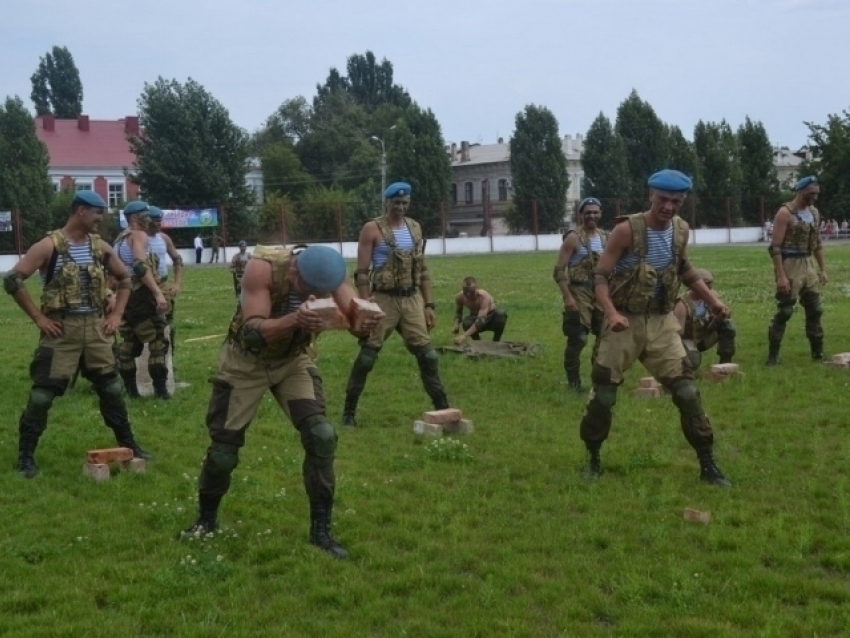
<point>399,292</point>
<point>795,255</point>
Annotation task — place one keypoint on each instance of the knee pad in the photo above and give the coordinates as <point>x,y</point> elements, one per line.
<point>158,347</point>
<point>366,359</point>
<point>318,437</point>
<point>222,459</point>
<point>605,395</point>
<point>130,349</point>
<point>576,335</point>
<point>784,312</point>
<point>111,387</point>
<point>814,311</point>
<point>685,394</point>
<point>41,399</point>
<point>726,327</point>
<point>427,358</point>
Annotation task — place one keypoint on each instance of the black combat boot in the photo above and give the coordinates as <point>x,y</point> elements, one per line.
<point>207,521</point>
<point>773,353</point>
<point>160,389</point>
<point>348,411</point>
<point>440,400</point>
<point>130,384</point>
<point>26,466</point>
<point>708,470</point>
<point>725,358</point>
<point>320,529</point>
<point>593,470</point>
<point>124,437</point>
<point>817,349</point>
<point>574,382</point>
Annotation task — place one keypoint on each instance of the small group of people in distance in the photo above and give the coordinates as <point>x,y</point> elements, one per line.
<point>620,286</point>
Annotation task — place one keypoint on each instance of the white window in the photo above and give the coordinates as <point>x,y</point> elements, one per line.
<point>82,186</point>
<point>467,191</point>
<point>116,194</point>
<point>57,185</point>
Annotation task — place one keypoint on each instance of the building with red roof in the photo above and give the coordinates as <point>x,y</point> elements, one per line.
<point>88,154</point>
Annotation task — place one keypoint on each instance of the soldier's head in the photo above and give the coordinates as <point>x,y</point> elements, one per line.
<point>667,192</point>
<point>137,215</point>
<point>807,189</point>
<point>155,220</point>
<point>87,209</point>
<point>706,276</point>
<point>243,246</point>
<point>470,287</point>
<point>317,270</point>
<point>589,211</point>
<point>397,199</point>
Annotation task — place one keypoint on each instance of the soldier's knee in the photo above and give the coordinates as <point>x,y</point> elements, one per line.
<point>727,327</point>
<point>685,393</point>
<point>41,399</point>
<point>158,347</point>
<point>366,359</point>
<point>784,312</point>
<point>604,395</point>
<point>814,308</point>
<point>427,357</point>
<point>319,437</point>
<point>222,459</point>
<point>111,387</point>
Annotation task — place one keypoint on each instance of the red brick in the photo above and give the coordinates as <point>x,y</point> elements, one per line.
<point>438,417</point>
<point>427,429</point>
<point>647,393</point>
<point>360,310</point>
<point>464,426</point>
<point>109,455</point>
<point>330,313</point>
<point>136,466</point>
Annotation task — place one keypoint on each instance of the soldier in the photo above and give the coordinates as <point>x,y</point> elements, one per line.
<point>393,246</point>
<point>484,315</point>
<point>573,273</point>
<point>215,242</point>
<point>701,331</point>
<point>144,317</point>
<point>237,267</point>
<point>636,283</point>
<point>265,350</point>
<point>796,251</point>
<point>71,319</point>
<point>162,245</point>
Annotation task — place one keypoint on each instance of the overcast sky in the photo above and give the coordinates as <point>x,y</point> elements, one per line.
<point>475,63</point>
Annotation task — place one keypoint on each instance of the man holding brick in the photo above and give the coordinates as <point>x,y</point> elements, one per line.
<point>391,267</point>
<point>798,267</point>
<point>484,315</point>
<point>636,283</point>
<point>266,350</point>
<point>701,330</point>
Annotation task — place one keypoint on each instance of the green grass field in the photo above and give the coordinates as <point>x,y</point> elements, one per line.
<point>498,538</point>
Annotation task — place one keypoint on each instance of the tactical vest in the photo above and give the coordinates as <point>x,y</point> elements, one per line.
<point>696,329</point>
<point>63,290</point>
<point>289,345</point>
<point>403,268</point>
<point>151,261</point>
<point>239,265</point>
<point>633,290</point>
<point>802,237</point>
<point>582,272</point>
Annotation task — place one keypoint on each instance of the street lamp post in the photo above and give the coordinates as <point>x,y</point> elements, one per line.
<point>383,161</point>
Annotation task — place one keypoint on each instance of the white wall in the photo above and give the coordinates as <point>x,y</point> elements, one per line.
<point>475,245</point>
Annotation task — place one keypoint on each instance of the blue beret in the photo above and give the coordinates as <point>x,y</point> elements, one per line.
<point>89,198</point>
<point>322,268</point>
<point>136,206</point>
<point>397,189</point>
<point>805,181</point>
<point>671,181</point>
<point>154,212</point>
<point>589,201</point>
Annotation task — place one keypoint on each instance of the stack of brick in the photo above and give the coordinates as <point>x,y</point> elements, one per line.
<point>98,462</point>
<point>723,371</point>
<point>840,361</point>
<point>438,422</point>
<point>649,388</point>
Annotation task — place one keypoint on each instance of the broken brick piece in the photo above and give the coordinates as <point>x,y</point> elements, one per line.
<point>423,428</point>
<point>838,364</point>
<point>647,393</point>
<point>464,426</point>
<point>696,516</point>
<point>360,310</point>
<point>842,357</point>
<point>109,455</point>
<point>649,382</point>
<point>725,368</point>
<point>136,466</point>
<point>332,317</point>
<point>97,471</point>
<point>439,417</point>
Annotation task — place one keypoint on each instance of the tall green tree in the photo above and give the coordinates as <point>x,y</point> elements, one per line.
<point>190,152</point>
<point>289,123</point>
<point>604,161</point>
<point>416,154</point>
<point>56,85</point>
<point>719,185</point>
<point>539,171</point>
<point>682,155</point>
<point>759,183</point>
<point>24,183</point>
<point>644,136</point>
<point>368,83</point>
<point>830,146</point>
<point>283,173</point>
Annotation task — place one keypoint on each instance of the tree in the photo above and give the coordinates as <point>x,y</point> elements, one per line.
<point>759,183</point>
<point>645,139</point>
<point>283,173</point>
<point>320,213</point>
<point>830,146</point>
<point>289,123</point>
<point>56,85</point>
<point>604,162</point>
<point>720,172</point>
<point>190,153</point>
<point>368,84</point>
<point>682,155</point>
<point>416,154</point>
<point>24,182</point>
<point>539,171</point>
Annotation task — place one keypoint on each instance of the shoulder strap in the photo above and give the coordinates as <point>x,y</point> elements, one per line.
<point>386,231</point>
<point>58,240</point>
<point>638,224</point>
<point>415,230</point>
<point>678,238</point>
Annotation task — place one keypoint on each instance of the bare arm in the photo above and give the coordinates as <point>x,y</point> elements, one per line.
<point>567,250</point>
<point>369,237</point>
<point>780,227</point>
<point>177,262</point>
<point>619,241</point>
<point>681,314</point>
<point>37,258</point>
<point>138,240</point>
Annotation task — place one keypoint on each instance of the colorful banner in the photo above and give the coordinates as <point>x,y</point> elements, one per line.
<point>184,218</point>
<point>5,221</point>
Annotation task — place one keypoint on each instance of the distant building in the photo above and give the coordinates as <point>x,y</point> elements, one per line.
<point>481,181</point>
<point>787,163</point>
<point>88,154</point>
